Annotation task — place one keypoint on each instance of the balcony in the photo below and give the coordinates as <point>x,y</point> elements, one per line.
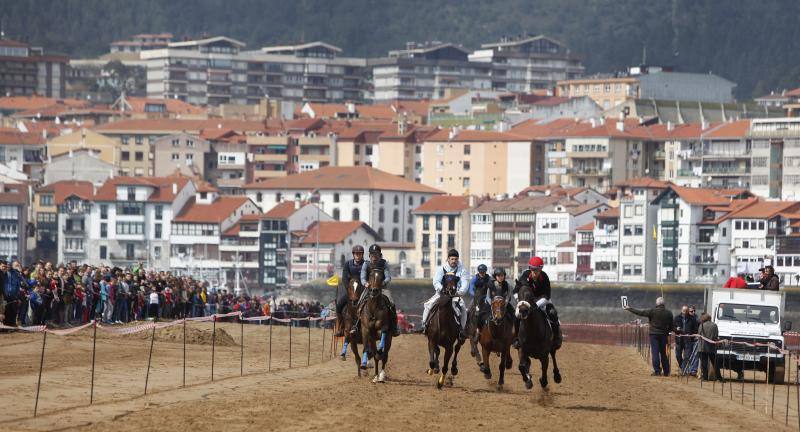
<point>587,155</point>
<point>726,155</point>
<point>669,242</point>
<point>584,270</point>
<point>669,223</point>
<point>687,173</point>
<point>585,247</point>
<point>124,258</point>
<point>659,154</point>
<point>669,262</point>
<point>726,171</point>
<point>589,172</point>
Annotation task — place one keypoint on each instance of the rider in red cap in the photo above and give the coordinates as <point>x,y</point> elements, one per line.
<point>539,283</point>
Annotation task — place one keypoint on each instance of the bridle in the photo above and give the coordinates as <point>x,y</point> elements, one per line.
<point>498,309</point>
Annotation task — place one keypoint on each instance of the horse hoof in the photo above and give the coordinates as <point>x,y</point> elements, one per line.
<point>430,372</point>
<point>363,367</point>
<point>454,370</point>
<point>375,379</point>
<point>557,377</point>
<point>440,382</point>
<point>528,384</point>
<point>382,377</point>
<point>499,387</point>
<point>450,380</point>
<point>509,363</point>
<point>343,357</point>
<point>543,382</point>
<point>487,375</point>
<point>436,370</point>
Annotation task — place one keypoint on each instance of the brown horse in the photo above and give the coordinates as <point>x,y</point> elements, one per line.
<point>442,331</point>
<point>536,338</point>
<point>375,334</point>
<point>354,290</point>
<point>496,337</point>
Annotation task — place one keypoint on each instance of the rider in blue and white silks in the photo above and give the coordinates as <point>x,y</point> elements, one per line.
<point>452,268</point>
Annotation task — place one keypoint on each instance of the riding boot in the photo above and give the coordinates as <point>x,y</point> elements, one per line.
<point>339,326</point>
<point>393,321</point>
<point>552,316</point>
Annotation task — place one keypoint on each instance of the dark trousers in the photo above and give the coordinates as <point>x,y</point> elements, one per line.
<point>705,359</point>
<point>153,311</point>
<point>12,309</point>
<point>658,352</point>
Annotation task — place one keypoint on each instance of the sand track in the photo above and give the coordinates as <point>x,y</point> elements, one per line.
<point>604,388</point>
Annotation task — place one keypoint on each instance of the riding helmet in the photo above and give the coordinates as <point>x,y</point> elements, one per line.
<point>499,271</point>
<point>452,253</point>
<point>536,262</point>
<point>482,268</point>
<point>358,249</point>
<point>375,249</point>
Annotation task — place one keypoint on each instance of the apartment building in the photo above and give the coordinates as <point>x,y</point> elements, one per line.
<point>227,166</point>
<point>605,254</point>
<point>317,251</point>
<point>776,157</point>
<point>140,42</point>
<point>197,245</point>
<point>82,164</point>
<point>14,204</point>
<point>275,242</point>
<point>426,71</point>
<point>239,254</point>
<point>584,248</point>
<point>694,243</point>
<point>104,147</point>
<point>217,71</point>
<point>649,82</point>
<point>22,151</point>
<point>481,162</point>
<point>481,250</point>
<point>528,63</point>
<point>442,223</point>
<point>638,220</point>
<point>184,153</point>
<point>45,209</point>
<point>379,199</point>
<point>27,70</point>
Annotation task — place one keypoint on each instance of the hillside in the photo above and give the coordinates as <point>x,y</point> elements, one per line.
<point>755,43</point>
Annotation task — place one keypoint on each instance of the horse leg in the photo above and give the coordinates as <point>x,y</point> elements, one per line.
<point>431,357</point>
<point>454,368</point>
<point>448,352</point>
<point>356,357</point>
<point>556,372</point>
<point>545,360</point>
<point>436,352</point>
<point>485,367</point>
<point>384,360</point>
<point>524,369</point>
<point>503,358</point>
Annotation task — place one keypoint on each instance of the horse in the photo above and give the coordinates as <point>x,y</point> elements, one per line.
<point>442,331</point>
<point>374,318</point>
<point>536,338</point>
<point>496,337</point>
<point>354,290</point>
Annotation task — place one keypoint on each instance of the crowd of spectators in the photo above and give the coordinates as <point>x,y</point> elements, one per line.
<point>72,294</point>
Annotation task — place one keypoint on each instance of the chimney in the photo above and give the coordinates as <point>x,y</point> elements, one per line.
<point>452,133</point>
<point>670,126</point>
<point>471,200</point>
<point>602,121</point>
<point>296,203</point>
<point>593,122</point>
<point>704,125</point>
<point>174,188</point>
<point>621,126</point>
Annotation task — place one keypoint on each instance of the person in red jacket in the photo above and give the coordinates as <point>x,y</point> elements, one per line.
<point>736,282</point>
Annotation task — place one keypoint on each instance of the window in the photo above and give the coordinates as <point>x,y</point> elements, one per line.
<point>336,214</point>
<point>466,165</point>
<point>131,194</point>
<point>380,215</point>
<point>380,199</point>
<point>738,225</point>
<point>189,156</point>
<point>467,150</point>
<point>278,197</point>
<point>426,238</point>
<point>335,197</point>
<point>355,198</point>
<point>125,139</point>
<point>159,212</point>
<point>356,214</point>
<point>103,252</point>
<point>395,235</point>
<point>130,208</point>
<point>627,250</point>
<point>438,222</point>
<point>259,197</point>
<point>139,156</point>
<point>396,216</point>
<point>176,156</point>
<point>368,150</point>
<point>627,212</point>
<point>157,252</point>
<point>126,156</point>
<point>639,210</point>
<point>465,182</point>
<point>130,228</point>
<point>451,222</point>
<point>103,230</point>
<point>396,200</point>
<point>410,236</point>
<point>46,200</point>
<point>426,222</point>
<point>103,211</point>
<point>637,250</point>
<point>139,140</point>
<point>451,241</point>
<point>157,233</point>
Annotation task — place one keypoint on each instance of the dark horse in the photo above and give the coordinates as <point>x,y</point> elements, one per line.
<point>496,337</point>
<point>535,338</point>
<point>442,331</point>
<point>354,290</point>
<point>375,334</point>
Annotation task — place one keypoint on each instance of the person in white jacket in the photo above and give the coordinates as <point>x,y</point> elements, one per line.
<point>452,268</point>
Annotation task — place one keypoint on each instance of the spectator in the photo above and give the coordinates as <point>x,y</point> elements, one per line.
<point>736,281</point>
<point>685,325</point>
<point>708,330</point>
<point>153,311</point>
<point>769,281</point>
<point>12,279</point>
<point>661,324</point>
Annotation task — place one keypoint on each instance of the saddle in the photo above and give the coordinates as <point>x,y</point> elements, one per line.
<point>435,307</point>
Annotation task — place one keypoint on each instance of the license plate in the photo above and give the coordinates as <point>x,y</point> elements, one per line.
<point>746,357</point>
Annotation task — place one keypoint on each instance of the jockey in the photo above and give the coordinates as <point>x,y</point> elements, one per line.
<point>376,261</point>
<point>350,271</point>
<point>452,268</point>
<point>539,283</point>
<point>478,287</point>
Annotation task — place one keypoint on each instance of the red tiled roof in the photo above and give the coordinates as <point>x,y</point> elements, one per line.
<point>12,136</point>
<point>588,227</point>
<point>332,232</point>
<point>706,196</point>
<point>476,135</point>
<point>233,231</point>
<point>64,189</point>
<point>13,194</point>
<point>612,213</point>
<point>23,103</point>
<point>643,182</point>
<point>162,187</point>
<point>735,129</point>
<point>284,210</point>
<point>344,178</point>
<point>444,204</point>
<point>765,209</point>
<point>215,212</point>
<point>172,106</point>
<point>170,125</point>
<point>568,243</point>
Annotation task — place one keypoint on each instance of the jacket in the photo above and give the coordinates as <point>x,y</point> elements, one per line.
<point>13,282</point>
<point>771,284</point>
<point>463,278</point>
<point>381,264</point>
<point>708,330</point>
<point>685,324</point>
<point>660,317</point>
<point>478,287</point>
<point>735,282</point>
<point>539,286</point>
<point>351,270</point>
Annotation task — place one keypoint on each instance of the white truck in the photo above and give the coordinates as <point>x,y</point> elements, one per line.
<point>753,316</point>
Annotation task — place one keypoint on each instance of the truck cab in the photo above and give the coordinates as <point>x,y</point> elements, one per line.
<point>752,316</point>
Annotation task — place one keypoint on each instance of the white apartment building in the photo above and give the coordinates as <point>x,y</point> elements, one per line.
<point>336,240</point>
<point>555,225</point>
<point>481,235</point>
<point>638,221</point>
<point>605,254</point>
<point>379,199</point>
<point>442,223</point>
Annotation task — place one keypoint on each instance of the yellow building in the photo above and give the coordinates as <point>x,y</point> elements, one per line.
<point>481,162</point>
<point>606,92</point>
<point>105,147</point>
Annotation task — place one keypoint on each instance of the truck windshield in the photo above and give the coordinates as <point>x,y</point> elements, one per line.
<point>748,313</point>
